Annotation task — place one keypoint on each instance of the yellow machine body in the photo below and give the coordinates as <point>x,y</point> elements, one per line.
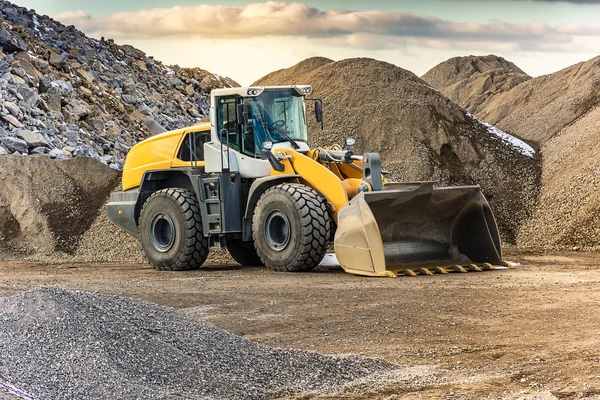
<point>156,153</point>
<point>381,228</point>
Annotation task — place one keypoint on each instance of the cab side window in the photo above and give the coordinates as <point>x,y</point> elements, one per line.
<point>227,119</point>
<point>193,144</point>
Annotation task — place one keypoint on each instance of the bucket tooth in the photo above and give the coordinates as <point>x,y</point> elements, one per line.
<point>487,266</point>
<point>459,268</point>
<point>425,271</point>
<point>409,272</point>
<point>474,267</point>
<point>440,270</point>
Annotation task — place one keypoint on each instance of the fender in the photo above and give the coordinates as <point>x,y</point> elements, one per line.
<point>259,186</point>
<point>124,207</point>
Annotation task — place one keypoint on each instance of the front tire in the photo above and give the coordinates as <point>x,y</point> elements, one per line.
<point>291,228</point>
<point>170,231</point>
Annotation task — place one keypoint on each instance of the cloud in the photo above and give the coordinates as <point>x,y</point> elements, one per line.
<point>361,29</point>
<point>569,1</point>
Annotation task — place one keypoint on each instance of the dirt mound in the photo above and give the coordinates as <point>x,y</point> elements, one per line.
<point>96,346</point>
<point>558,111</point>
<point>420,134</point>
<point>568,215</point>
<point>46,205</point>
<point>106,242</point>
<point>470,81</point>
<point>540,108</point>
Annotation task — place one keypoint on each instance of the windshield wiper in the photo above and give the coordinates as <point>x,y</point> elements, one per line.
<point>267,128</point>
<point>294,144</point>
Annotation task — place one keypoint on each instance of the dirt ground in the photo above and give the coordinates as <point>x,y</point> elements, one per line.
<point>529,332</point>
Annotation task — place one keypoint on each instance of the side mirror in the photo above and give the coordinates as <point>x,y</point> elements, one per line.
<point>319,110</point>
<point>242,111</point>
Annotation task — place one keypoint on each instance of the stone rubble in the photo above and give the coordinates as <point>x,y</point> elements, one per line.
<point>77,96</point>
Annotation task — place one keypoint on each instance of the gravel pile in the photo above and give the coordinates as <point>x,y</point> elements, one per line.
<point>560,113</point>
<point>46,205</point>
<point>568,213</point>
<point>66,95</point>
<point>420,133</point>
<point>61,344</point>
<point>470,81</point>
<point>537,110</point>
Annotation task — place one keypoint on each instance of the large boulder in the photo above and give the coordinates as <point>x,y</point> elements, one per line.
<point>10,42</point>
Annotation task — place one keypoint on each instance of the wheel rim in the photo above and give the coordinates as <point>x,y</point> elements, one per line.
<point>162,232</point>
<point>277,230</point>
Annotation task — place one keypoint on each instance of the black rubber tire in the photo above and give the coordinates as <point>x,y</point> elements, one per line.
<point>243,253</point>
<point>189,248</point>
<point>309,227</point>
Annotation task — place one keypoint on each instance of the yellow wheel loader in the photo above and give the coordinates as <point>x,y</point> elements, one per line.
<point>249,182</point>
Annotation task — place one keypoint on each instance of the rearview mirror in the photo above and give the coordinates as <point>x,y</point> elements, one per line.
<point>319,110</point>
<point>242,111</point>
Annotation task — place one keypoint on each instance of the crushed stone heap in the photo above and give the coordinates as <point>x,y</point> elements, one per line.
<point>46,205</point>
<point>62,344</point>
<point>470,81</point>
<point>66,95</point>
<point>420,133</point>
<point>560,113</point>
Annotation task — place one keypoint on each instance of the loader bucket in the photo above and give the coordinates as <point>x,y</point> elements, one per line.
<point>417,229</point>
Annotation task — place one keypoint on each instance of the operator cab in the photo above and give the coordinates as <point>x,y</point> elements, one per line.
<point>257,115</point>
<point>245,119</point>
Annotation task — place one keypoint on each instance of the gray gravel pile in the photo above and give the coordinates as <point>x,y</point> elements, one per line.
<point>62,344</point>
<point>66,95</point>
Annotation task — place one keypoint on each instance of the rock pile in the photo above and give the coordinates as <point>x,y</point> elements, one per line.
<point>420,134</point>
<point>66,95</point>
<point>61,344</point>
<point>540,108</point>
<point>46,205</point>
<point>470,81</point>
<point>559,112</point>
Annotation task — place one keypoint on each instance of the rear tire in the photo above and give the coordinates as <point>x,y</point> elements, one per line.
<point>170,231</point>
<point>291,228</point>
<point>243,253</point>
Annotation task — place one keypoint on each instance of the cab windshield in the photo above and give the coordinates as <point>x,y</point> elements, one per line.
<point>277,114</point>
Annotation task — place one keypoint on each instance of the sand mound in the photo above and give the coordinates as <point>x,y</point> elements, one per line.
<point>61,344</point>
<point>46,205</point>
<point>470,81</point>
<point>541,107</point>
<point>420,134</point>
<point>106,242</point>
<point>568,215</point>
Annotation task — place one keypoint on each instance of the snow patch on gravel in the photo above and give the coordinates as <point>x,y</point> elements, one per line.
<point>518,144</point>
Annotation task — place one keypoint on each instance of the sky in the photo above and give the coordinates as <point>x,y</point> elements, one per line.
<point>245,40</point>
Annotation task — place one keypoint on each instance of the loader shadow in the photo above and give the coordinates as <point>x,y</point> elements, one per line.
<point>237,267</point>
